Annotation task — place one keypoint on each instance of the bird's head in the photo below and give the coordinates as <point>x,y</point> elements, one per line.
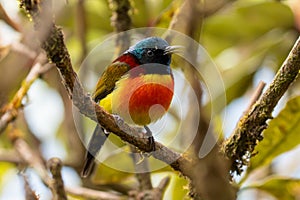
<point>153,50</point>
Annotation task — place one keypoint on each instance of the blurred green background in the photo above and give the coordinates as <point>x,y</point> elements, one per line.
<point>247,40</point>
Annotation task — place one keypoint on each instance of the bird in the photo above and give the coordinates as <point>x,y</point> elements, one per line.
<point>138,86</point>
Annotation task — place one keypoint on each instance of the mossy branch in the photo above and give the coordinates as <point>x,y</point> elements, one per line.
<point>240,146</point>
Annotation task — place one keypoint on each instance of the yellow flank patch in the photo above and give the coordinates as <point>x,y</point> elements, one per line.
<point>106,103</point>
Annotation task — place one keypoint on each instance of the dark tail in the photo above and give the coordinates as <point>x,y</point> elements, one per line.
<point>94,146</point>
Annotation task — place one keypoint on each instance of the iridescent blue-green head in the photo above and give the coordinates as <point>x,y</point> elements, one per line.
<point>152,50</point>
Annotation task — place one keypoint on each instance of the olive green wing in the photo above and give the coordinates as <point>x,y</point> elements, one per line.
<point>107,81</point>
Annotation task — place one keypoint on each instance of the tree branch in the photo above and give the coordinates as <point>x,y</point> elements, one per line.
<point>8,20</point>
<point>153,193</point>
<point>30,157</point>
<point>255,96</point>
<point>209,175</point>
<point>121,21</point>
<point>91,194</point>
<point>10,156</point>
<point>11,110</point>
<point>240,146</point>
<point>142,169</point>
<point>58,190</point>
<point>29,193</point>
<point>81,23</point>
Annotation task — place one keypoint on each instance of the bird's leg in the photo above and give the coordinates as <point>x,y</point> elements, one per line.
<point>150,138</point>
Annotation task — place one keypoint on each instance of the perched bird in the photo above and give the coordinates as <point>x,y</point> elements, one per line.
<point>138,86</point>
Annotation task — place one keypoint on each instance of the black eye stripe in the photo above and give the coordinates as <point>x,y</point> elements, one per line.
<point>153,55</point>
<point>154,51</point>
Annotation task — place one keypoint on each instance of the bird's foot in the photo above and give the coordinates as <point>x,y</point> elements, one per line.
<point>151,140</point>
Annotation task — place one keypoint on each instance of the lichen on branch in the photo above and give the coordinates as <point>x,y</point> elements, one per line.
<point>240,146</point>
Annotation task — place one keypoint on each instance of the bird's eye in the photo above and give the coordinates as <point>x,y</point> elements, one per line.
<point>150,53</point>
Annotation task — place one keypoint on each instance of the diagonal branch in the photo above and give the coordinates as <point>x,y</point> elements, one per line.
<point>240,146</point>
<point>29,193</point>
<point>11,110</point>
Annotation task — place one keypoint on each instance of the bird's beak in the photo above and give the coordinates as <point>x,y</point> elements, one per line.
<point>173,49</point>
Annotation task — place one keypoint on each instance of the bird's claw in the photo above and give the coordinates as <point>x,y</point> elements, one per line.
<point>151,143</point>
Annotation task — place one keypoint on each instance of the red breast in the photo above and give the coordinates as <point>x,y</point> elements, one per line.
<point>143,99</point>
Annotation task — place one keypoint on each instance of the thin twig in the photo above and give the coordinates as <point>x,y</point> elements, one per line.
<point>32,159</point>
<point>92,194</point>
<point>141,165</point>
<point>188,20</point>
<point>163,183</point>
<point>240,146</point>
<point>8,20</point>
<point>81,27</point>
<point>29,156</point>
<point>58,190</point>
<point>29,193</point>
<point>11,110</point>
<point>154,194</point>
<point>10,156</point>
<point>255,96</point>
<point>24,50</point>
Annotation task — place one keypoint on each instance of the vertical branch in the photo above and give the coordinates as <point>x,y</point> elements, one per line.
<point>121,22</point>
<point>58,190</point>
<point>81,27</point>
<point>154,193</point>
<point>142,169</point>
<point>212,182</point>
<point>193,29</point>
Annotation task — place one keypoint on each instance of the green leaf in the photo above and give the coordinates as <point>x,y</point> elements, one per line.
<point>244,23</point>
<point>281,136</point>
<point>280,187</point>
